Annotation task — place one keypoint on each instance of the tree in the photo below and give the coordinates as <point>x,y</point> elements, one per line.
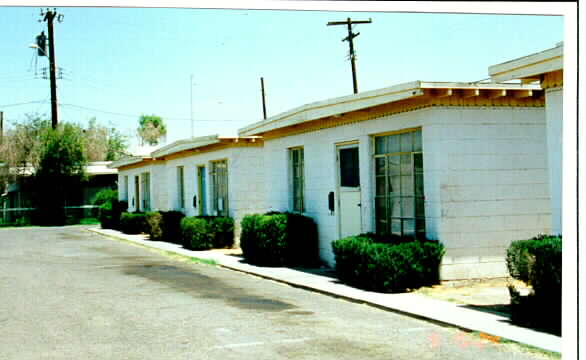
<point>151,129</point>
<point>104,143</point>
<point>21,145</point>
<point>61,167</point>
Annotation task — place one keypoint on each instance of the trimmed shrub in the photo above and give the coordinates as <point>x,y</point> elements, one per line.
<point>538,263</point>
<point>217,233</point>
<point>164,226</point>
<point>110,208</point>
<point>196,233</point>
<point>279,239</point>
<point>133,223</point>
<point>386,264</point>
<point>223,231</point>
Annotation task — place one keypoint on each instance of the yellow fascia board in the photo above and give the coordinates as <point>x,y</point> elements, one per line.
<point>335,106</point>
<point>347,104</point>
<point>185,144</point>
<point>530,66</point>
<point>126,161</point>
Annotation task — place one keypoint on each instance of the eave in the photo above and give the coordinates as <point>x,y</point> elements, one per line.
<point>531,67</point>
<point>399,98</point>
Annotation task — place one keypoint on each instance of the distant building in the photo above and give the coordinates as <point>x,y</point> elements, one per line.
<point>18,196</point>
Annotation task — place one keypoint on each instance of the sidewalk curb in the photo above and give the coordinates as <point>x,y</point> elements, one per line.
<point>291,283</point>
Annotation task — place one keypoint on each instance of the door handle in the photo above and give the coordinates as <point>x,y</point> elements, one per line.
<point>195,201</point>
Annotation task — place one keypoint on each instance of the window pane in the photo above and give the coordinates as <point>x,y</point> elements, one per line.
<point>417,146</point>
<point>394,143</point>
<point>395,207</point>
<point>419,184</point>
<point>380,145</point>
<point>408,205</point>
<point>395,185</point>
<point>407,142</point>
<point>409,227</point>
<point>380,185</point>
<point>394,168</point>
<point>419,207</point>
<point>380,167</point>
<point>420,226</point>
<point>407,186</point>
<point>380,208</point>
<point>406,165</point>
<point>418,162</point>
<point>396,226</point>
<point>349,168</point>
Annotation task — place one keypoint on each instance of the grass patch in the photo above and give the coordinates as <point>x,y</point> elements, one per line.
<point>166,253</point>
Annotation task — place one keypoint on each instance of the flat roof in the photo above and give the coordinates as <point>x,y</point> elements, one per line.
<point>529,67</point>
<point>128,160</point>
<point>198,143</point>
<point>340,106</point>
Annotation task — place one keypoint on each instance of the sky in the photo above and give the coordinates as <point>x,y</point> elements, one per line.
<point>118,63</point>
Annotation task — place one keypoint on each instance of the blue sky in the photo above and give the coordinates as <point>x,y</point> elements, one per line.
<point>119,63</point>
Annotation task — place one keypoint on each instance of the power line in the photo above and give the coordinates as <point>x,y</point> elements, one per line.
<point>23,103</point>
<point>137,116</point>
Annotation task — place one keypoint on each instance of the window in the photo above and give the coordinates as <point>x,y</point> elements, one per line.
<point>180,188</point>
<point>349,168</point>
<point>136,199</point>
<point>125,194</point>
<point>220,188</point>
<point>297,179</point>
<point>146,191</point>
<point>399,196</point>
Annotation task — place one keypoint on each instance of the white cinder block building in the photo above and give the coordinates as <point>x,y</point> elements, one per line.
<point>209,175</point>
<point>462,163</point>
<point>547,69</point>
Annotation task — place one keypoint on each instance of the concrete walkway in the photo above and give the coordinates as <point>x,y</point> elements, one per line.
<point>490,325</point>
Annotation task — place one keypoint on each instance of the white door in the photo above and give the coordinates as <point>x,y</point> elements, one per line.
<point>349,199</point>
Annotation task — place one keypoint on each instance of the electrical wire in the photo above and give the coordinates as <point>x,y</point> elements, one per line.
<point>137,116</point>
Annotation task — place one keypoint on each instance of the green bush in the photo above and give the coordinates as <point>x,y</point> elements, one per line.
<point>218,232</point>
<point>223,231</point>
<point>538,263</point>
<point>110,208</point>
<point>279,239</point>
<point>164,225</point>
<point>386,264</point>
<point>133,223</point>
<point>196,233</point>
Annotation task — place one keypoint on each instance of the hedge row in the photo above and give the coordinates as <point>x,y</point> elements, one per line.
<point>279,239</point>
<point>387,264</point>
<point>207,232</point>
<point>538,263</point>
<point>164,226</point>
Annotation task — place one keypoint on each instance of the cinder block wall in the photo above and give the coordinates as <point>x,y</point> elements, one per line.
<point>486,181</point>
<point>245,181</point>
<point>487,184</point>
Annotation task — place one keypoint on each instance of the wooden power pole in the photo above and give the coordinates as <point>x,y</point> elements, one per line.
<point>264,106</point>
<point>349,22</point>
<point>49,16</point>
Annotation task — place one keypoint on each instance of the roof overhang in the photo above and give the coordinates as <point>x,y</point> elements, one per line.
<point>186,144</point>
<point>530,67</point>
<point>341,107</point>
<point>200,144</point>
<point>127,161</point>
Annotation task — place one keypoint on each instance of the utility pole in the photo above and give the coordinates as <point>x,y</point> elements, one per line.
<point>349,22</point>
<point>264,107</point>
<point>49,16</point>
<point>1,127</point>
